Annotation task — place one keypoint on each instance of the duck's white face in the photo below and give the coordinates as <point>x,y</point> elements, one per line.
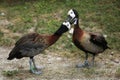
<point>67,24</point>
<point>72,17</point>
<point>71,13</point>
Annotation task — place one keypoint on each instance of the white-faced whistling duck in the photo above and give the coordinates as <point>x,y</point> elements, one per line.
<point>89,42</point>
<point>33,44</point>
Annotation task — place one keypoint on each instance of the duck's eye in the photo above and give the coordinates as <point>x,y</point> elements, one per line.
<point>71,12</point>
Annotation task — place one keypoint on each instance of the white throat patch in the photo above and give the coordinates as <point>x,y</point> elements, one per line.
<point>75,21</point>
<point>71,30</point>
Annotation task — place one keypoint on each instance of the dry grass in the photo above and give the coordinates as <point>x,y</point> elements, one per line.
<point>56,66</point>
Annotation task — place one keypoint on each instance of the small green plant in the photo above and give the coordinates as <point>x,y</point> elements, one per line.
<point>10,73</point>
<point>27,18</point>
<point>88,72</point>
<point>1,34</point>
<point>117,73</point>
<point>6,41</point>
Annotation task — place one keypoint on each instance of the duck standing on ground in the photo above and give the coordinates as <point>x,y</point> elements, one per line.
<point>89,42</point>
<point>33,44</point>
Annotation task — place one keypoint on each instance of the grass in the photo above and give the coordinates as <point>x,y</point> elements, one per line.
<point>117,73</point>
<point>10,73</point>
<point>89,72</point>
<point>46,17</point>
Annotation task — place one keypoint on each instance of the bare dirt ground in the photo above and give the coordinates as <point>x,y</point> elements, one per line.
<point>57,67</point>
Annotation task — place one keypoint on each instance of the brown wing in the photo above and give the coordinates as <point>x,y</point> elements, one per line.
<point>99,40</point>
<point>28,37</point>
<point>27,46</point>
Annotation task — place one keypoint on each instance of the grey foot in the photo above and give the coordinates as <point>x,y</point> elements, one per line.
<point>85,65</point>
<point>36,72</point>
<point>39,67</point>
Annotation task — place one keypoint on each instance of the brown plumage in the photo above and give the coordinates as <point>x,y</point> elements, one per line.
<point>30,42</point>
<point>89,42</point>
<point>33,44</point>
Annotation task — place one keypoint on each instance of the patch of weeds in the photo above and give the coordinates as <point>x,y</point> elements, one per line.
<point>89,72</point>
<point>41,26</point>
<point>16,28</point>
<point>6,41</point>
<point>52,26</point>
<point>20,27</point>
<point>27,18</point>
<point>47,27</point>
<point>12,28</point>
<point>1,34</point>
<point>114,41</point>
<point>16,38</point>
<point>10,73</point>
<point>117,73</point>
<point>102,73</point>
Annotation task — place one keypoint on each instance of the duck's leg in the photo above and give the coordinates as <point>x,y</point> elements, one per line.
<point>34,64</point>
<point>33,67</point>
<point>86,64</point>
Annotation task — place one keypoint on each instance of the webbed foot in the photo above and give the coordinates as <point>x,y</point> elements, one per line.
<point>85,65</point>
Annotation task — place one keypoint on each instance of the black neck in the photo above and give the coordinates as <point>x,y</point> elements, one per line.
<point>61,30</point>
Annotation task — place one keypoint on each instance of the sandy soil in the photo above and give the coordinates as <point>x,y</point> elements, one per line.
<point>56,67</point>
